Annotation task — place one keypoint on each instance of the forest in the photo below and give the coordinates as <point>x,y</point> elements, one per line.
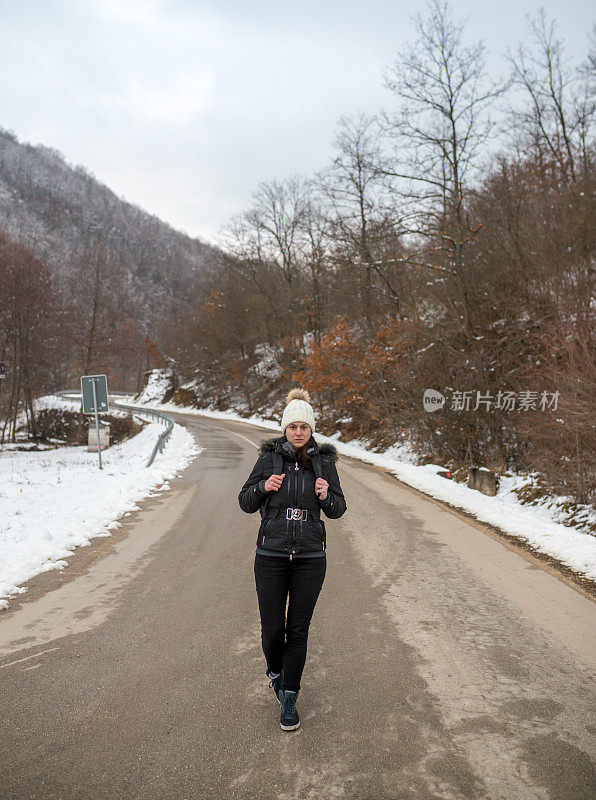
<point>447,246</point>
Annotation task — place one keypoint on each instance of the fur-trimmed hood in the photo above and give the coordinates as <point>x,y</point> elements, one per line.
<point>325,448</point>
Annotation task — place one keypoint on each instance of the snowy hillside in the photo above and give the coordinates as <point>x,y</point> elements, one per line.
<point>60,211</point>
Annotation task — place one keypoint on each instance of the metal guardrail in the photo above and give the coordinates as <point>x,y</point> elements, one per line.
<point>156,416</point>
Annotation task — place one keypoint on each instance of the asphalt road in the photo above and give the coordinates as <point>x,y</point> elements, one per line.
<point>441,663</point>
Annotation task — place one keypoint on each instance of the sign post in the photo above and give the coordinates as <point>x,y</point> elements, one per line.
<point>94,391</point>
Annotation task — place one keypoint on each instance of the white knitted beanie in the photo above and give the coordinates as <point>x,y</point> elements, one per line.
<point>298,409</point>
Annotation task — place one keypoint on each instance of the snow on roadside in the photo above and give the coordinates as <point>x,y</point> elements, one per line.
<point>533,525</point>
<point>45,403</point>
<point>56,500</point>
<point>65,404</point>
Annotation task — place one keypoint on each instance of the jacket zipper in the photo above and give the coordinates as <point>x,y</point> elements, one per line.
<point>289,491</point>
<point>301,500</point>
<point>296,468</point>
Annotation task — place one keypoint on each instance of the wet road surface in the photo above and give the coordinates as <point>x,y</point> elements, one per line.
<point>441,664</point>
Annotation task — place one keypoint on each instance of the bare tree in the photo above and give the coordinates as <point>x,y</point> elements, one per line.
<point>270,231</point>
<point>358,197</point>
<point>26,317</point>
<point>100,308</point>
<point>272,246</point>
<point>316,255</point>
<point>557,110</point>
<point>442,124</point>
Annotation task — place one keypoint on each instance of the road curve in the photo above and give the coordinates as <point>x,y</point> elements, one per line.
<point>441,663</point>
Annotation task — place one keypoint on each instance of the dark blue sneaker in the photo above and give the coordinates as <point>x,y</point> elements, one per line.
<point>289,716</point>
<point>275,682</point>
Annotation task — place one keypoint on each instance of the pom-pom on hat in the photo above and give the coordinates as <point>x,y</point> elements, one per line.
<point>298,409</point>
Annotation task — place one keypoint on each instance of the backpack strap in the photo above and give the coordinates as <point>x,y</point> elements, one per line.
<point>278,465</point>
<point>317,466</point>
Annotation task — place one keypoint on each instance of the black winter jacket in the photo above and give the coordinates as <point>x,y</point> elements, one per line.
<point>277,532</point>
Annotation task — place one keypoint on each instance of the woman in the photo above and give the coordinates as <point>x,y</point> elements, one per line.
<point>291,482</point>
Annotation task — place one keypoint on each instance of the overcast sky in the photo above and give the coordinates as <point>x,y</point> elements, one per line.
<point>184,106</point>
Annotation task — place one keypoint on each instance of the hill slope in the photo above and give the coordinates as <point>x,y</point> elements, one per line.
<point>60,211</point>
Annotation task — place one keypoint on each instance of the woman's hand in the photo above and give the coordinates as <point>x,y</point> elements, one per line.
<point>321,487</point>
<point>273,483</point>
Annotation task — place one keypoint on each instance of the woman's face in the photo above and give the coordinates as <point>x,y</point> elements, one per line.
<point>298,433</point>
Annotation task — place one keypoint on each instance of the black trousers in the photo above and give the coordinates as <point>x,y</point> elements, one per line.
<point>284,638</point>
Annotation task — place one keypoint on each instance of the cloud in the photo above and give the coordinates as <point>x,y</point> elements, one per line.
<point>137,13</point>
<point>178,101</point>
<point>183,106</point>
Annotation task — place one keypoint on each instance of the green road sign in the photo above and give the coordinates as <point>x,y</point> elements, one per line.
<point>94,389</point>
